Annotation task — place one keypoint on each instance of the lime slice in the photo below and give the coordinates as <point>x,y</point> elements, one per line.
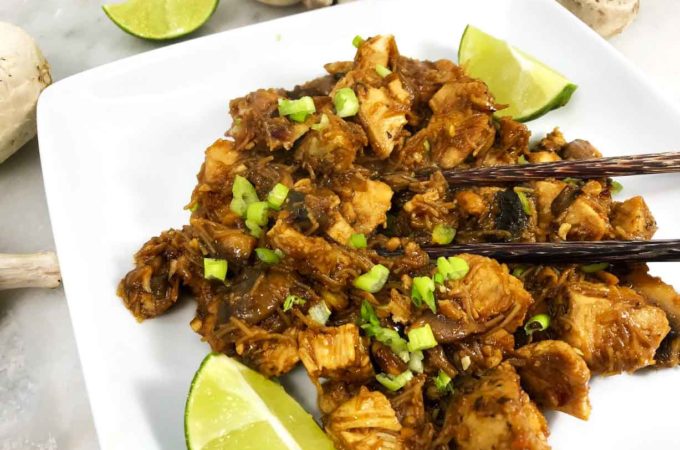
<point>231,407</point>
<point>160,19</point>
<point>528,86</point>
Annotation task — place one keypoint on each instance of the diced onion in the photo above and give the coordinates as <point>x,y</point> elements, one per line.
<point>373,280</point>
<point>267,256</point>
<point>297,110</point>
<point>443,234</point>
<point>320,313</point>
<point>357,240</point>
<point>421,338</point>
<point>215,269</point>
<point>277,196</point>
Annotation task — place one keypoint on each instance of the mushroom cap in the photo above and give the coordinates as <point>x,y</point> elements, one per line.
<point>24,73</point>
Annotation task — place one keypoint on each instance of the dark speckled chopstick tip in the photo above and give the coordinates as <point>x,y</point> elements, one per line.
<point>568,252</point>
<point>588,168</point>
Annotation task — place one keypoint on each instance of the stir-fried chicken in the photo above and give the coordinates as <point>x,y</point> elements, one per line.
<point>304,245</point>
<point>493,412</point>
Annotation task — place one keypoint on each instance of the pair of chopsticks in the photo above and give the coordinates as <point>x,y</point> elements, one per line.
<point>574,251</point>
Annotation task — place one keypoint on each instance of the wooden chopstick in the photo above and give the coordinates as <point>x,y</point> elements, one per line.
<point>581,252</point>
<point>619,166</point>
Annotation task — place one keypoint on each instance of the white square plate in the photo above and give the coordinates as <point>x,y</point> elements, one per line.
<point>120,145</point>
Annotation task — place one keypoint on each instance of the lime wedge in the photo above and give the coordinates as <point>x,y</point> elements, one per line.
<point>160,19</point>
<point>231,407</point>
<point>528,86</point>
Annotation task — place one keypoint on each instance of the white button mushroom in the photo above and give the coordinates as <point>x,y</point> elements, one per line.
<point>24,73</point>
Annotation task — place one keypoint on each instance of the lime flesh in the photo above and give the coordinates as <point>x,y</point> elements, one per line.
<point>233,407</point>
<point>160,19</point>
<point>526,85</point>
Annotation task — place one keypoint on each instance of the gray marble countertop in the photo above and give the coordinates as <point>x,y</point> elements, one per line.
<point>43,402</point>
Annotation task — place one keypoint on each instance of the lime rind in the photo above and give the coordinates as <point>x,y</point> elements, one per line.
<point>160,20</point>
<point>230,406</point>
<point>515,78</point>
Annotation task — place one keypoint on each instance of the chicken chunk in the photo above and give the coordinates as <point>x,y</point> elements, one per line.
<point>493,412</point>
<point>487,295</point>
<point>613,327</point>
<point>462,96</point>
<point>365,422</point>
<point>586,219</point>
<point>332,149</point>
<point>365,202</point>
<point>555,377</point>
<point>162,264</point>
<point>382,117</point>
<point>632,219</point>
<point>336,353</point>
<point>656,292</point>
<point>272,354</point>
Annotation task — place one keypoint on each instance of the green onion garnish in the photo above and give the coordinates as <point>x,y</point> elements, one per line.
<point>389,337</point>
<point>616,187</point>
<point>382,70</point>
<point>346,102</point>
<point>438,278</point>
<point>357,41</point>
<point>415,362</point>
<point>267,256</point>
<point>357,240</point>
<point>254,229</point>
<point>277,196</point>
<point>443,381</point>
<point>592,268</point>
<point>297,110</point>
<point>518,271</point>
<point>320,313</point>
<point>539,322</point>
<point>453,267</point>
<point>394,383</point>
<point>443,234</point>
<point>215,269</point>
<point>368,315</point>
<point>421,338</point>
<point>291,301</point>
<point>572,181</point>
<point>194,207</point>
<point>522,160</point>
<point>373,280</point>
<point>244,194</point>
<point>323,123</point>
<point>257,213</point>
<point>524,201</point>
<point>423,291</point>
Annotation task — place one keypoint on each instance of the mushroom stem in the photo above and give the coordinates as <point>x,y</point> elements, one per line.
<point>26,271</point>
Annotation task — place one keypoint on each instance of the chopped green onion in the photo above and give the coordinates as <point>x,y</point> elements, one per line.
<point>438,278</point>
<point>443,381</point>
<point>277,196</point>
<point>322,125</point>
<point>297,110</point>
<point>215,269</point>
<point>357,41</point>
<point>267,256</point>
<point>443,234</point>
<point>616,187</point>
<point>415,362</point>
<point>244,194</point>
<point>320,313</point>
<point>592,268</point>
<point>526,206</point>
<point>257,213</point>
<point>382,70</point>
<point>357,240</point>
<point>453,267</point>
<point>254,228</point>
<point>389,337</point>
<point>373,280</point>
<point>194,207</point>
<point>426,144</point>
<point>368,314</point>
<point>346,102</point>
<point>518,271</point>
<point>423,291</point>
<point>539,322</point>
<point>421,338</point>
<point>522,160</point>
<point>572,181</point>
<point>394,383</point>
<point>291,301</point>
